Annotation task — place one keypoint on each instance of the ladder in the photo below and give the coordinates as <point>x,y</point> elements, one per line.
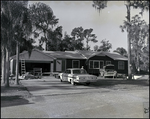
<point>23,68</point>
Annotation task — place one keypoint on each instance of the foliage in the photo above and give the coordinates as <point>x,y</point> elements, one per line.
<point>89,37</point>
<point>121,51</point>
<point>99,4</point>
<point>66,44</point>
<point>95,47</point>
<point>55,37</point>
<point>79,35</point>
<point>43,21</point>
<point>16,27</point>
<point>141,4</point>
<point>106,46</point>
<point>77,38</point>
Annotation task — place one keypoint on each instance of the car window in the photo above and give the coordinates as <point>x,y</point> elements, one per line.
<point>82,71</point>
<point>68,71</point>
<point>109,67</point>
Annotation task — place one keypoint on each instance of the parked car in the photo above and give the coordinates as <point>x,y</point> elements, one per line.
<point>108,71</point>
<point>77,75</point>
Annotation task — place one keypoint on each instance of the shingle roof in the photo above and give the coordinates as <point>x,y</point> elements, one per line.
<point>66,55</point>
<point>86,53</point>
<point>115,56</point>
<point>36,55</point>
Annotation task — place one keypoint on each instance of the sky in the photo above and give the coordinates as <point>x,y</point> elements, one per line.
<point>105,25</point>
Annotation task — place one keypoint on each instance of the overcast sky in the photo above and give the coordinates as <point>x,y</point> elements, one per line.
<point>105,24</point>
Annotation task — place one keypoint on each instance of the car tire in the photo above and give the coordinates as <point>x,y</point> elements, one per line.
<point>72,82</point>
<point>88,83</point>
<point>60,80</point>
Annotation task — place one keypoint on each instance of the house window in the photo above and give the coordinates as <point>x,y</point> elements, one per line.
<point>91,64</point>
<point>101,64</point>
<point>76,64</point>
<point>108,62</point>
<point>96,64</point>
<point>121,65</point>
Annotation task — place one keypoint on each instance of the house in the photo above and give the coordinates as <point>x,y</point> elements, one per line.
<point>96,62</point>
<point>59,61</point>
<point>38,59</point>
<point>67,59</point>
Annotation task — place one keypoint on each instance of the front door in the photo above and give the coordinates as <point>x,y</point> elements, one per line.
<point>59,65</point>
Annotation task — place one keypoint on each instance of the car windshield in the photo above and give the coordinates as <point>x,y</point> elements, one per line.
<point>81,71</point>
<point>109,67</point>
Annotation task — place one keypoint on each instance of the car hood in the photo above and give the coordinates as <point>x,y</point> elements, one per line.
<point>109,70</point>
<point>84,75</point>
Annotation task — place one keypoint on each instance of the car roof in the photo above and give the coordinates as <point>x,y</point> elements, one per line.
<point>74,69</point>
<point>109,65</point>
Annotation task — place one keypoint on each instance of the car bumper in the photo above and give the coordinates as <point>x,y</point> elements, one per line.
<point>84,81</point>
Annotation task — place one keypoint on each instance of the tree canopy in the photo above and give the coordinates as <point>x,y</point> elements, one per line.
<point>106,46</point>
<point>121,51</point>
<point>43,21</point>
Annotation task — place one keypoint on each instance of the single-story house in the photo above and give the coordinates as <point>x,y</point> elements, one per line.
<point>38,59</point>
<point>59,61</point>
<point>96,62</point>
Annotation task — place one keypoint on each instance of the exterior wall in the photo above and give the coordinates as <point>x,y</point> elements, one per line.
<point>122,71</point>
<point>105,59</point>
<point>69,63</point>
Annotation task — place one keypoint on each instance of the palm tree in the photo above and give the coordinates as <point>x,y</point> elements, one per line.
<point>143,5</point>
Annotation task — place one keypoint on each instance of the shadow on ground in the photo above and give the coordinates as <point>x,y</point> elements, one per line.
<point>12,88</point>
<point>112,82</point>
<point>7,101</point>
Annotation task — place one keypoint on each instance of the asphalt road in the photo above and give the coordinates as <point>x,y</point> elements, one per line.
<point>109,98</point>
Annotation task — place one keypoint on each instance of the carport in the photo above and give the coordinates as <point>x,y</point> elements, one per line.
<point>37,59</point>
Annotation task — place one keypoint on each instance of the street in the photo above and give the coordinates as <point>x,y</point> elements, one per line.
<point>109,98</point>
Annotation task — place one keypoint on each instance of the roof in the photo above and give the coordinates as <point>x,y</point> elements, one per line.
<point>86,53</point>
<point>114,55</point>
<point>36,55</point>
<point>65,55</point>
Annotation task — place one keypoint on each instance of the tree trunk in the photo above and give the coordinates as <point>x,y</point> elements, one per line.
<point>129,44</point>
<point>7,69</point>
<point>86,44</point>
<point>17,64</point>
<point>3,67</point>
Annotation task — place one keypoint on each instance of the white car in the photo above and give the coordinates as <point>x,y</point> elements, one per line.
<point>108,71</point>
<point>77,75</point>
